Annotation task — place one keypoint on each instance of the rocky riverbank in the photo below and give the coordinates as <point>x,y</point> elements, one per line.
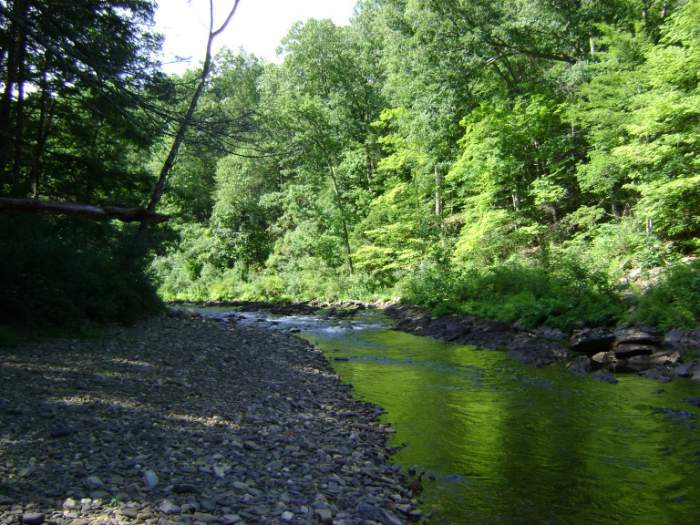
<point>598,351</point>
<point>183,420</point>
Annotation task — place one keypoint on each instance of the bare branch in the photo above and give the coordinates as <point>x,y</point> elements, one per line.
<point>84,210</point>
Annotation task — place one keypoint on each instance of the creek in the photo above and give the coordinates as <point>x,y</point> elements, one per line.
<point>504,443</point>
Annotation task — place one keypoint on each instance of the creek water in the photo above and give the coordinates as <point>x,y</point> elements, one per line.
<point>510,444</point>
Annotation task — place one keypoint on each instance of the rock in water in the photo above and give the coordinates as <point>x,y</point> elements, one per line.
<point>693,401</point>
<point>580,366</point>
<point>686,369</point>
<point>605,376</point>
<point>658,374</point>
<point>372,513</point>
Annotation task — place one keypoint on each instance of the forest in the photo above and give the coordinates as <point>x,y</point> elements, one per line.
<point>533,161</point>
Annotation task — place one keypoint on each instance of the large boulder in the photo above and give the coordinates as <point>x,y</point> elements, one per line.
<point>414,324</point>
<point>638,336</point>
<point>447,327</point>
<point>591,341</point>
<point>625,350</point>
<point>682,339</point>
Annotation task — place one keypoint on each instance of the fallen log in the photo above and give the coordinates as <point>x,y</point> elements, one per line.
<point>84,210</point>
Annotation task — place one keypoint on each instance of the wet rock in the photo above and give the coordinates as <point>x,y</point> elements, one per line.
<point>686,369</point>
<point>580,366</point>
<point>683,417</point>
<point>625,350</point>
<point>448,328</point>
<point>695,401</point>
<point>230,519</point>
<point>604,376</point>
<point>662,375</point>
<point>287,516</point>
<point>591,341</point>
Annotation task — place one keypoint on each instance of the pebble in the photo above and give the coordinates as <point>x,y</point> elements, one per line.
<point>168,507</point>
<point>33,518</point>
<point>240,424</point>
<point>150,478</point>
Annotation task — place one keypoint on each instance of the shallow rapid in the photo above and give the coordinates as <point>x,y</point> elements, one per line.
<point>502,443</point>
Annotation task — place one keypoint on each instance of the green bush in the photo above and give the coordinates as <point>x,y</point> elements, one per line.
<point>674,302</point>
<point>63,273</point>
<point>562,294</point>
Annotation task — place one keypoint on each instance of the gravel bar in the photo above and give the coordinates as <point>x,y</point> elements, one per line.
<point>184,420</point>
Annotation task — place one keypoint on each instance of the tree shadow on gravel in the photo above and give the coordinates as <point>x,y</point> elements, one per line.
<point>106,432</point>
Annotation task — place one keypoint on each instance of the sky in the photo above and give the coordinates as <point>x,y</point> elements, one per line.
<point>258,25</point>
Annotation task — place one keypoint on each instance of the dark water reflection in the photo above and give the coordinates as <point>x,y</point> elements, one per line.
<point>510,444</point>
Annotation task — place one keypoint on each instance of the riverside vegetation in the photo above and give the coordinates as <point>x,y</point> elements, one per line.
<point>532,162</point>
<point>529,166</point>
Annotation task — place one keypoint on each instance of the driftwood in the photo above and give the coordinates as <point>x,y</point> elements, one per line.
<point>85,210</point>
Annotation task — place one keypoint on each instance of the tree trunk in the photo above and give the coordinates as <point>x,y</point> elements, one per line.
<point>19,107</point>
<point>438,193</point>
<point>14,40</point>
<point>341,209</point>
<point>186,121</point>
<point>45,117</point>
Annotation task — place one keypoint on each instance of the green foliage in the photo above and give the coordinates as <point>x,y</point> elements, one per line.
<point>674,301</point>
<point>561,295</point>
<point>515,160</point>
<point>74,271</point>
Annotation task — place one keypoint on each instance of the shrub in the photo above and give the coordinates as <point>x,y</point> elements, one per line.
<point>64,272</point>
<point>674,302</point>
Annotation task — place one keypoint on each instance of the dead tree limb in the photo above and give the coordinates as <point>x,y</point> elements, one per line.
<point>85,210</point>
<point>185,122</point>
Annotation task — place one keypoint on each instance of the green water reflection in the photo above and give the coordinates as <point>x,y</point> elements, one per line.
<point>510,444</point>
